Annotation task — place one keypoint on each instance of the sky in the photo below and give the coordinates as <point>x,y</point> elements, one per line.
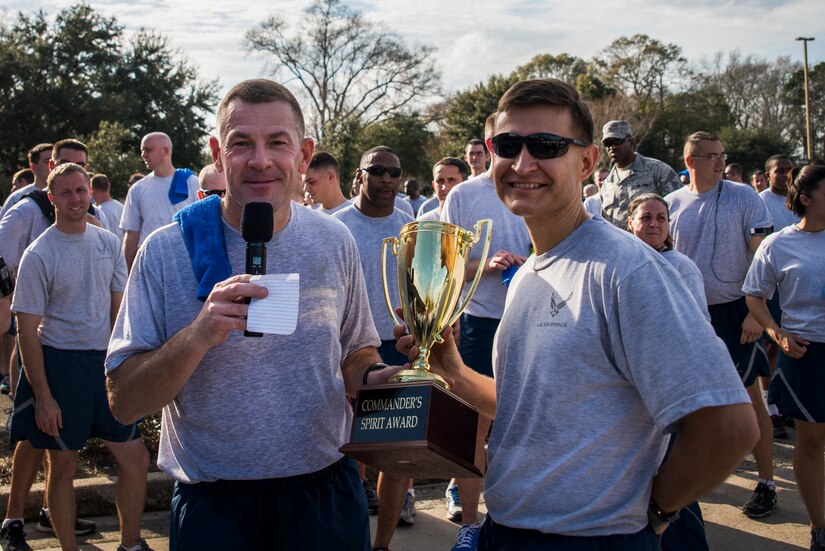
<point>478,38</point>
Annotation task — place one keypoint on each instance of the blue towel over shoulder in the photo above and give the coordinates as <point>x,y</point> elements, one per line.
<point>179,188</point>
<point>202,229</point>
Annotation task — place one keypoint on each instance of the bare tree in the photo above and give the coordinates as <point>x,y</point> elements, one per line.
<point>349,69</point>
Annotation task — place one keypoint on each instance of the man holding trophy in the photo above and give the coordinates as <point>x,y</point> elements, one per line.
<point>583,399</point>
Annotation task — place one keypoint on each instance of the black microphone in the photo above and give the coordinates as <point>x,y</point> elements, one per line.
<point>256,229</point>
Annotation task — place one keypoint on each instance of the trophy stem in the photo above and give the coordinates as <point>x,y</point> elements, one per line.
<point>420,372</point>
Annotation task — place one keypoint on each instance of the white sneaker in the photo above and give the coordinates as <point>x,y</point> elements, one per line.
<point>454,512</point>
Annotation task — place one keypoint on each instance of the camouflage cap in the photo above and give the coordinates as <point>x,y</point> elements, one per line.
<point>616,129</point>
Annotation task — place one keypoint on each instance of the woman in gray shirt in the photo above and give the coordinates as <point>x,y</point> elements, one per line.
<point>793,261</point>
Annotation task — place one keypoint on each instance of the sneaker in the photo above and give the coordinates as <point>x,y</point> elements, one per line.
<point>779,431</point>
<point>372,498</point>
<point>13,538</point>
<point>5,385</point>
<point>817,539</point>
<point>143,546</point>
<point>454,512</point>
<point>407,511</point>
<point>467,537</point>
<point>761,503</point>
<point>81,527</point>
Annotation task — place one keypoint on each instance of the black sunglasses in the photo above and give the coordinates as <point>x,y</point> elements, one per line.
<point>208,192</point>
<point>380,170</point>
<point>540,146</point>
<point>610,142</point>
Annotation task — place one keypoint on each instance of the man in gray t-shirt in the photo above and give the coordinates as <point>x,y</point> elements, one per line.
<point>572,420</point>
<point>251,426</point>
<point>719,224</point>
<point>63,340</point>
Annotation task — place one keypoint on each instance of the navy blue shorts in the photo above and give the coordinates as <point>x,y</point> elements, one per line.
<point>389,355</point>
<point>476,342</point>
<point>495,537</point>
<point>326,509</point>
<point>750,359</point>
<point>77,382</point>
<point>797,386</point>
<point>13,326</point>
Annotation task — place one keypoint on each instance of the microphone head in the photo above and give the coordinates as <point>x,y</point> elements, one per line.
<point>256,222</point>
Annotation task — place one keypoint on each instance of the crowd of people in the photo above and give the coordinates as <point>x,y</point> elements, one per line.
<point>635,332</point>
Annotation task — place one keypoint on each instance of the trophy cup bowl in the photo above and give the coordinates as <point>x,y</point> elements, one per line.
<point>401,427</point>
<point>432,261</point>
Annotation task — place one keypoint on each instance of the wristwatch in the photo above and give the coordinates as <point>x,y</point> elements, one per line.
<point>657,518</point>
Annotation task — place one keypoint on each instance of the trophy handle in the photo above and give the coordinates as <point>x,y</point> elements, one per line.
<point>395,245</point>
<point>489,224</point>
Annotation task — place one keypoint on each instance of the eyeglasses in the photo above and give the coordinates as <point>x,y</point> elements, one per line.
<point>380,170</point>
<point>713,156</point>
<point>611,142</point>
<point>541,145</point>
<point>208,192</point>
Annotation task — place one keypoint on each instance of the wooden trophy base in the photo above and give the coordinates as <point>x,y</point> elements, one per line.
<point>416,430</point>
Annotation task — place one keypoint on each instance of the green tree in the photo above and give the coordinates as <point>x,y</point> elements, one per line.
<point>347,67</point>
<point>468,110</point>
<point>751,147</point>
<point>409,137</point>
<point>562,66</point>
<point>113,151</point>
<point>683,114</point>
<point>63,78</point>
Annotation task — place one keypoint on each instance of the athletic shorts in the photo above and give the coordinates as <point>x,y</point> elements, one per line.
<point>13,326</point>
<point>495,537</point>
<point>326,509</point>
<point>476,342</point>
<point>77,382</point>
<point>797,386</point>
<point>750,359</point>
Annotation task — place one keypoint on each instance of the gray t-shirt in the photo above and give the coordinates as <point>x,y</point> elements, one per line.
<point>22,224</point>
<point>416,203</point>
<point>585,394</point>
<point>15,197</point>
<point>428,205</point>
<point>431,215</point>
<point>403,205</point>
<point>691,276</point>
<point>593,205</point>
<point>713,229</point>
<point>68,279</point>
<point>781,215</point>
<point>369,234</point>
<point>114,210</point>
<point>793,260</point>
<point>333,210</point>
<point>466,204</point>
<point>147,206</point>
<point>263,407</point>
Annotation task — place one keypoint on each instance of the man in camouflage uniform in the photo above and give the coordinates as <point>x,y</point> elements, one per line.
<point>631,174</point>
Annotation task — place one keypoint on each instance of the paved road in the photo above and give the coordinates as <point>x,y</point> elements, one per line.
<point>728,529</point>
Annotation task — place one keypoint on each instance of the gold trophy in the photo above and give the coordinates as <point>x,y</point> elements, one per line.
<point>413,426</point>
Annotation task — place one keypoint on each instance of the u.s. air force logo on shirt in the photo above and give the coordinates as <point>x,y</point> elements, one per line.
<point>557,304</point>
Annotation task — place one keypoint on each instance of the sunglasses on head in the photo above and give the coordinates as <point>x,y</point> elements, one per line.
<point>540,146</point>
<point>380,170</point>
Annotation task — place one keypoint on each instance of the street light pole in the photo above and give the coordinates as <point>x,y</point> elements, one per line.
<point>805,41</point>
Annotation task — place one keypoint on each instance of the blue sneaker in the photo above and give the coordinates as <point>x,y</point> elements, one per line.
<point>467,537</point>
<point>454,512</point>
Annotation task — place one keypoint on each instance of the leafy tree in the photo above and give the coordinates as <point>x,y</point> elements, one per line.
<point>562,66</point>
<point>682,115</point>
<point>113,154</point>
<point>408,136</point>
<point>63,78</point>
<point>468,110</point>
<point>750,148</point>
<point>347,67</point>
<point>641,67</point>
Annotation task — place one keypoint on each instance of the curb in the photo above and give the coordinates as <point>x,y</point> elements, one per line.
<point>95,497</point>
